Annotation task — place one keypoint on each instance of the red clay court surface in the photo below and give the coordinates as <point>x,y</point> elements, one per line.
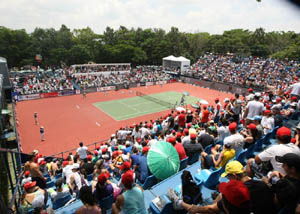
<point>71,119</point>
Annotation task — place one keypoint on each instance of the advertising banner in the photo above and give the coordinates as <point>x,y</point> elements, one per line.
<point>50,94</point>
<point>28,97</point>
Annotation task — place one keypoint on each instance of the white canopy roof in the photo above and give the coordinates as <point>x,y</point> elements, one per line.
<point>176,59</point>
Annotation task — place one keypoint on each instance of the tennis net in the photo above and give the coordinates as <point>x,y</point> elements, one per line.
<point>155,100</point>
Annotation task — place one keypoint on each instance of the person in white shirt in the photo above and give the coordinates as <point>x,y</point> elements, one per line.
<point>267,122</point>
<point>236,140</point>
<point>295,89</point>
<point>284,146</point>
<point>82,152</point>
<point>67,170</point>
<point>254,108</point>
<point>144,132</point>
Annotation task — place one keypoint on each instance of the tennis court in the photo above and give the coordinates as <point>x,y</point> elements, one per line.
<point>124,109</point>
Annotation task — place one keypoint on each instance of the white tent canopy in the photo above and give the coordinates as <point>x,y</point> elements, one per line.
<point>173,62</point>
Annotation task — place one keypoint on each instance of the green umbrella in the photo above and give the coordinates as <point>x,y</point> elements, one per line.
<point>163,160</point>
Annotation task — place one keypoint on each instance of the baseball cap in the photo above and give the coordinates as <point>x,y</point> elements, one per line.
<point>236,193</point>
<point>104,150</point>
<point>233,167</point>
<point>267,111</point>
<point>250,90</point>
<point>257,94</point>
<point>193,136</point>
<point>217,99</point>
<point>178,134</point>
<point>186,131</point>
<point>145,149</point>
<point>283,131</point>
<point>29,185</point>
<point>89,157</point>
<point>294,98</point>
<point>102,178</point>
<point>95,153</point>
<point>226,99</point>
<point>75,166</point>
<point>211,121</point>
<point>189,125</point>
<point>291,159</point>
<point>232,126</point>
<point>98,147</point>
<point>26,173</point>
<point>251,126</point>
<point>125,165</point>
<point>172,140</point>
<point>127,178</point>
<point>65,163</point>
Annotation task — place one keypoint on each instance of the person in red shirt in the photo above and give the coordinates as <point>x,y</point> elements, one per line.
<point>179,148</point>
<point>205,115</point>
<point>181,119</point>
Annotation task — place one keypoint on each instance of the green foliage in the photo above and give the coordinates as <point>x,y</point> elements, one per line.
<point>138,46</point>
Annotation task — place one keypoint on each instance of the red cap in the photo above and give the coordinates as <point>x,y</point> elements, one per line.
<point>268,107</point>
<point>250,90</point>
<point>96,153</point>
<point>29,185</point>
<point>217,99</point>
<point>186,131</point>
<point>182,111</point>
<point>193,136</point>
<point>172,140</point>
<point>267,111</point>
<point>65,163</point>
<point>125,165</point>
<point>173,131</point>
<point>115,154</point>
<point>66,158</point>
<point>89,157</point>
<point>189,125</point>
<point>232,126</point>
<point>294,98</point>
<point>236,193</point>
<point>251,126</point>
<point>178,134</point>
<point>104,150</point>
<point>283,131</point>
<point>145,149</point>
<point>43,162</point>
<point>102,178</point>
<point>138,140</point>
<point>98,147</point>
<point>131,126</point>
<point>127,178</point>
<point>278,99</point>
<point>293,140</point>
<point>27,173</point>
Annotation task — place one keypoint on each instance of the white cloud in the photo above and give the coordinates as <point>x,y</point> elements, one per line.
<point>213,16</point>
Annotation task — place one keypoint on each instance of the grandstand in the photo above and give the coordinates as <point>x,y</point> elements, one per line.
<point>229,116</point>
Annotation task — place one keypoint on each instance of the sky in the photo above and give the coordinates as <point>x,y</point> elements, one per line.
<point>212,16</point>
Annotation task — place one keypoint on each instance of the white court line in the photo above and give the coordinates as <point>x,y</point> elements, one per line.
<point>77,106</point>
<point>97,124</point>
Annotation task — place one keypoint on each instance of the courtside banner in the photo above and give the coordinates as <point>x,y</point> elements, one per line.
<point>77,91</point>
<point>107,88</point>
<point>142,84</point>
<point>66,93</point>
<point>149,83</point>
<point>29,97</point>
<point>50,94</point>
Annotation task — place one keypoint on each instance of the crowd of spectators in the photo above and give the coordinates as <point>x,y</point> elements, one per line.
<point>67,78</point>
<point>119,166</point>
<point>247,72</point>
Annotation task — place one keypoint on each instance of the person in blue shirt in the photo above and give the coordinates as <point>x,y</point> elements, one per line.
<point>141,170</point>
<point>128,148</point>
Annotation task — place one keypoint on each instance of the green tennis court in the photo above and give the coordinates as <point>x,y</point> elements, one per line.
<point>124,109</point>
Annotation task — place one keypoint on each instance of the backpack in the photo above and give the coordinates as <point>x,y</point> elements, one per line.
<point>191,193</point>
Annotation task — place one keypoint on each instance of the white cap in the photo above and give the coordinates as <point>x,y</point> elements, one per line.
<point>127,142</point>
<point>113,135</point>
<point>212,121</point>
<point>226,99</point>
<point>257,94</point>
<point>75,166</point>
